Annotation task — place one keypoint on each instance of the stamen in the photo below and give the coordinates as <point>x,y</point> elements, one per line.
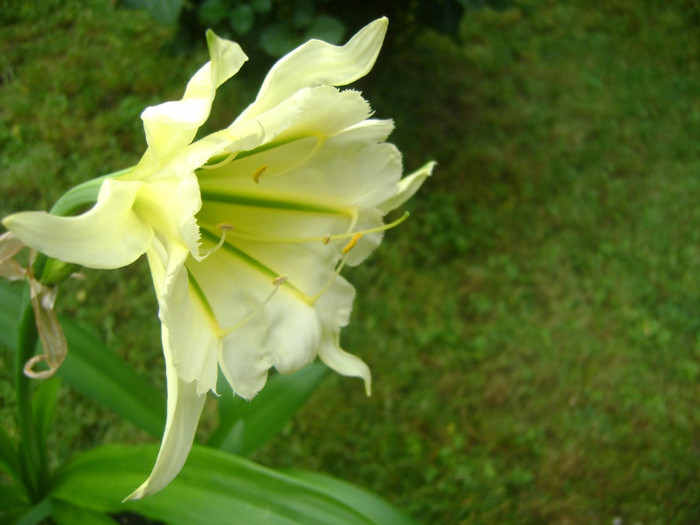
<point>350,245</point>
<point>258,173</point>
<point>224,228</point>
<point>277,282</point>
<point>320,141</point>
<point>310,300</point>
<point>280,280</point>
<point>346,252</point>
<point>223,162</point>
<point>325,239</point>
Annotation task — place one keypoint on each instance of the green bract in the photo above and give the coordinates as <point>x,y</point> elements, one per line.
<point>246,229</point>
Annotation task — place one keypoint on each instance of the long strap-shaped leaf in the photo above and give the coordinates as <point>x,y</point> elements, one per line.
<point>213,487</point>
<point>93,369</point>
<point>372,505</point>
<point>245,426</point>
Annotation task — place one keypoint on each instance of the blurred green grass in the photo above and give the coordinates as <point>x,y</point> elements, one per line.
<point>533,329</point>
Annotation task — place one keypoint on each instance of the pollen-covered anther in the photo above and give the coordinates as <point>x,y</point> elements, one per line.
<point>280,280</point>
<point>258,173</point>
<point>224,228</point>
<point>351,244</point>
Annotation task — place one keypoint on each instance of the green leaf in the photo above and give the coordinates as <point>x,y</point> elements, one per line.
<point>14,503</point>
<point>326,28</point>
<point>261,6</point>
<point>93,369</point>
<point>97,372</point>
<point>212,12</point>
<point>36,514</point>
<point>245,426</point>
<point>9,456</point>
<point>372,506</point>
<point>163,11</point>
<point>10,304</point>
<point>303,13</point>
<point>278,38</point>
<point>242,18</point>
<point>213,487</point>
<point>69,514</point>
<point>43,406</point>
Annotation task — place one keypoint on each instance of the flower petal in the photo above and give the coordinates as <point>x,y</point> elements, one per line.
<point>172,125</point>
<point>325,111</point>
<point>317,63</point>
<point>335,172</point>
<point>110,235</point>
<point>261,325</point>
<point>191,328</point>
<point>342,362</point>
<point>184,409</point>
<point>408,186</point>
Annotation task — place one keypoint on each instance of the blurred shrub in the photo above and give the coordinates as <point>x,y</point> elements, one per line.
<point>274,27</point>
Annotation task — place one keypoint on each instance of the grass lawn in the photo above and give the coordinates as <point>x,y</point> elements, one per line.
<point>533,328</point>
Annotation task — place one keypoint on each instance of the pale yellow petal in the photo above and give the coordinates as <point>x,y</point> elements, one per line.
<point>192,336</point>
<point>172,125</point>
<point>317,63</point>
<point>262,324</point>
<point>184,409</point>
<point>408,186</point>
<point>342,362</point>
<point>109,235</point>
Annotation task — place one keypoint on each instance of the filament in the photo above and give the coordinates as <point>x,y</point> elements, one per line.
<point>224,228</point>
<point>277,282</point>
<point>325,239</point>
<point>310,300</point>
<point>222,162</point>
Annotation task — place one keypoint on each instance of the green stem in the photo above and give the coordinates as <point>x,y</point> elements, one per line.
<point>82,195</point>
<point>30,453</point>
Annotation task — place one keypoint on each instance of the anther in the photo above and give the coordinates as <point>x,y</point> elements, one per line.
<point>258,173</point>
<point>280,280</point>
<point>351,244</point>
<point>326,238</point>
<point>223,227</point>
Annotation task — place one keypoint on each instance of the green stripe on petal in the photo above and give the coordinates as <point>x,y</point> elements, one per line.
<point>260,201</point>
<point>243,256</point>
<point>200,294</point>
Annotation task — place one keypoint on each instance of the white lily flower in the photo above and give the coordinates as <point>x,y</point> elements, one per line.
<point>246,230</point>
